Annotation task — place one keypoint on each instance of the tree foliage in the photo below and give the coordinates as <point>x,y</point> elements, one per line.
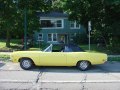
<point>58,5</point>
<point>12,17</point>
<point>104,15</point>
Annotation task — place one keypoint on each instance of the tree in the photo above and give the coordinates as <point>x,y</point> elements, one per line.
<point>86,10</point>
<point>58,5</point>
<point>104,15</point>
<point>12,17</point>
<point>7,18</point>
<point>112,21</point>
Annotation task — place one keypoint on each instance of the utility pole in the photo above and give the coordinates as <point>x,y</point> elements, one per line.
<point>25,28</point>
<point>89,30</point>
<point>25,22</point>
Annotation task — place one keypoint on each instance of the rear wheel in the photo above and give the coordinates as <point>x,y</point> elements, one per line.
<point>83,65</point>
<point>26,64</point>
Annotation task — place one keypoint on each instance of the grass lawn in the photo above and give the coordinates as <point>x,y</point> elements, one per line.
<point>4,57</point>
<point>94,48</point>
<point>13,42</point>
<point>15,45</point>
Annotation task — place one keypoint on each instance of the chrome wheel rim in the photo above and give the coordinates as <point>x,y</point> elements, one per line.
<point>83,65</point>
<point>26,63</point>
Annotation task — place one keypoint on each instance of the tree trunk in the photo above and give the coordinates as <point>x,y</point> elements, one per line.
<point>7,38</point>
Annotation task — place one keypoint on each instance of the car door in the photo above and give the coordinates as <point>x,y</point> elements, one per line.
<point>53,59</point>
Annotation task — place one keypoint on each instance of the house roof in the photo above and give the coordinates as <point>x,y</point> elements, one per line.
<point>52,14</point>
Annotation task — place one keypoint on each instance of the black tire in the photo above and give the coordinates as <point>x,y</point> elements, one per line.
<point>83,65</point>
<point>26,63</point>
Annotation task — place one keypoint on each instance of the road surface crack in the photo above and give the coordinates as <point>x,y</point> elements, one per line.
<point>38,77</point>
<point>83,82</point>
<point>35,84</point>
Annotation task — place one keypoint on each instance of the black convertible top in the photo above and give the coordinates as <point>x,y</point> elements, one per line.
<point>72,48</point>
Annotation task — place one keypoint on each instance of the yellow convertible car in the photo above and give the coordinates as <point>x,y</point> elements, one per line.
<point>68,55</point>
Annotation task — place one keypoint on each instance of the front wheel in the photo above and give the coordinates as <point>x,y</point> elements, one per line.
<point>26,64</point>
<point>83,65</point>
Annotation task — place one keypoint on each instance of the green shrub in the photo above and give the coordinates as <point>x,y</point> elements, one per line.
<point>80,39</point>
<point>115,50</point>
<point>113,58</point>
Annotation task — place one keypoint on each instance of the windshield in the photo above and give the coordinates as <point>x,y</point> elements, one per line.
<point>48,49</point>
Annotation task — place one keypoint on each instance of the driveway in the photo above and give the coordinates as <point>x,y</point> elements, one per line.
<point>106,76</point>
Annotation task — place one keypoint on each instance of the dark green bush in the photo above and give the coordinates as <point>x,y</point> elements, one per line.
<point>114,50</point>
<point>80,39</point>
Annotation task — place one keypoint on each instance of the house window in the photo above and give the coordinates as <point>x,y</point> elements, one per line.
<point>52,37</point>
<point>59,23</point>
<point>40,36</point>
<point>49,37</point>
<point>51,23</point>
<point>77,25</point>
<point>46,23</point>
<point>74,25</point>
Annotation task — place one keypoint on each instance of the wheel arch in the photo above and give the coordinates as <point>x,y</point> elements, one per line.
<point>26,58</point>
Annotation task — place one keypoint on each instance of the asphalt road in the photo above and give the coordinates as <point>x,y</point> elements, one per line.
<point>100,77</point>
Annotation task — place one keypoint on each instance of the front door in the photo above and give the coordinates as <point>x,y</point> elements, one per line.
<point>62,38</point>
<point>53,59</point>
